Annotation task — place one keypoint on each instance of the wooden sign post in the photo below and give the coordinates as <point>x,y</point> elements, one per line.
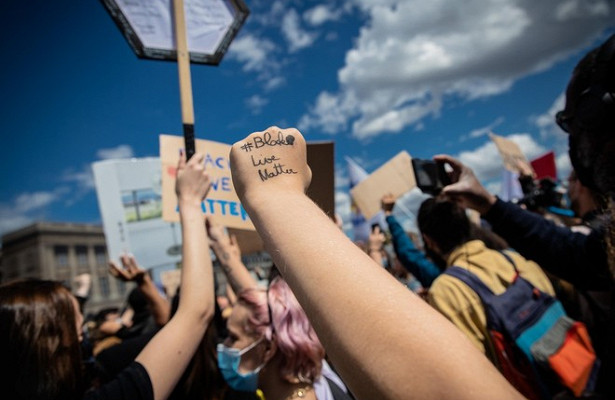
<point>203,37</point>
<point>185,82</point>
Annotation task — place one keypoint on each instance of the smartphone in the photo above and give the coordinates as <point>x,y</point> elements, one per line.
<point>430,176</point>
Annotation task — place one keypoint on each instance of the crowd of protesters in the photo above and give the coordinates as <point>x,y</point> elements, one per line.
<point>332,324</point>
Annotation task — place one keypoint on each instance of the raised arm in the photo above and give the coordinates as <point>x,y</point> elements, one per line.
<point>227,251</point>
<point>413,260</point>
<point>556,249</point>
<point>375,245</point>
<point>386,342</point>
<point>131,272</point>
<point>166,356</point>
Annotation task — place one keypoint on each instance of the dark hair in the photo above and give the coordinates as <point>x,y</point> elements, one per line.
<point>590,105</point>
<point>39,342</point>
<point>444,222</point>
<point>491,239</point>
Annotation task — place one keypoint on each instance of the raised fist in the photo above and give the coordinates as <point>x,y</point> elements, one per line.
<point>270,162</point>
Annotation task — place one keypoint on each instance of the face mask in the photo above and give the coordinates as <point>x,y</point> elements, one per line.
<point>228,362</point>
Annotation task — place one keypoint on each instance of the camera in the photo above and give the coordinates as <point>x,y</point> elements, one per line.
<point>430,176</point>
<point>541,194</point>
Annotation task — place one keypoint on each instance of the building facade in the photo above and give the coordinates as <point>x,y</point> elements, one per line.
<point>62,251</point>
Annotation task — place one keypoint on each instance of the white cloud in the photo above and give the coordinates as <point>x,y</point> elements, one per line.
<point>121,151</point>
<point>563,165</point>
<point>256,103</point>
<point>26,202</point>
<point>258,55</point>
<point>274,82</point>
<point>296,37</point>
<point>411,54</point>
<point>342,208</point>
<point>84,178</point>
<point>482,131</point>
<point>25,208</point>
<point>321,13</point>
<point>253,52</point>
<point>486,162</point>
<point>546,122</point>
<point>11,222</point>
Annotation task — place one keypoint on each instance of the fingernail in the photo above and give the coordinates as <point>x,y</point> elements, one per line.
<point>181,152</point>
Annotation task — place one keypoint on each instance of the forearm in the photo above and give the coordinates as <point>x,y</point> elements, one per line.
<point>161,309</point>
<point>236,272</point>
<point>413,260</point>
<point>169,352</point>
<point>578,258</point>
<point>197,286</point>
<point>376,255</point>
<point>430,358</point>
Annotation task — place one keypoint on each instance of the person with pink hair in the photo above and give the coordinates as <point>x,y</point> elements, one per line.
<point>271,345</point>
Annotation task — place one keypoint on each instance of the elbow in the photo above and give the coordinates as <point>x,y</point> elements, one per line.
<point>203,315</point>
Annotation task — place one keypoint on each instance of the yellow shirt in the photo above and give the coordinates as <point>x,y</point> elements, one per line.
<point>462,306</point>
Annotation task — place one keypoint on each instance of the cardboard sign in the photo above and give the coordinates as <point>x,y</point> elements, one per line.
<point>222,203</point>
<point>320,158</point>
<point>249,241</point>
<point>511,154</point>
<point>395,177</point>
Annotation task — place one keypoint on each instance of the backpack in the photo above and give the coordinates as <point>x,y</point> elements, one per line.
<point>539,349</point>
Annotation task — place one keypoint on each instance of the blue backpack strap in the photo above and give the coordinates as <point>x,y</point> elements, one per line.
<point>472,281</point>
<point>510,260</point>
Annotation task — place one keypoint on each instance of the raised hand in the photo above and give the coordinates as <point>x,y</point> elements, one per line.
<point>466,189</point>
<point>130,270</point>
<point>270,161</point>
<point>224,246</point>
<point>83,284</point>
<point>193,182</point>
<point>387,203</point>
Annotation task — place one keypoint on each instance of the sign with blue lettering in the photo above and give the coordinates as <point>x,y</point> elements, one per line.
<point>222,202</point>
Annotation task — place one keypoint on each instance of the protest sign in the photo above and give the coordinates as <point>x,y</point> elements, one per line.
<point>512,157</point>
<point>130,205</point>
<point>395,177</point>
<point>545,166</point>
<point>320,158</point>
<point>210,26</point>
<point>222,203</point>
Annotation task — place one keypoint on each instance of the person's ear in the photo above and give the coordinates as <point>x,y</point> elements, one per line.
<point>430,244</point>
<point>270,349</point>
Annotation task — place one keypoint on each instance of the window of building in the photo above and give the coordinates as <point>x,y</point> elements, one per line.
<point>101,255</point>
<point>122,287</point>
<point>82,255</point>
<point>103,281</point>
<point>61,256</point>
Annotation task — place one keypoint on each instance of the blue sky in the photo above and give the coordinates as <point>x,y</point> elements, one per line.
<point>377,77</point>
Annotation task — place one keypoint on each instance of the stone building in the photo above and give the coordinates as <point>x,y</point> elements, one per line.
<point>61,251</point>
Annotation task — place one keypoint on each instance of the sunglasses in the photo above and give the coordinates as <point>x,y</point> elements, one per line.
<point>564,121</point>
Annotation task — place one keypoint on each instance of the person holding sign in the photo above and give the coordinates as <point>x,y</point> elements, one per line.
<point>381,350</point>
<point>40,322</point>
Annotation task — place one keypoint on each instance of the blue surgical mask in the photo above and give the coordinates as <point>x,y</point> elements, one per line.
<point>228,362</point>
